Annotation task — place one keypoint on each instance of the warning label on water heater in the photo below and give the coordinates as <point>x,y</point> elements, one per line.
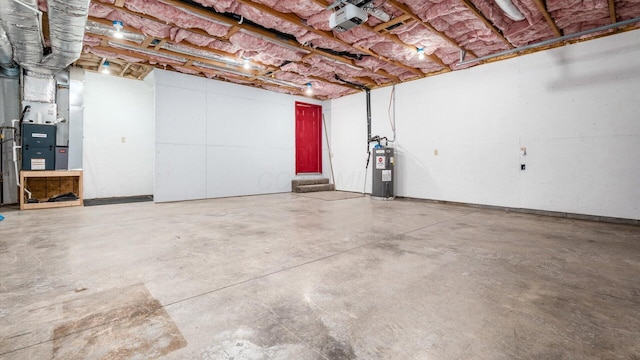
<point>381,162</point>
<point>386,175</point>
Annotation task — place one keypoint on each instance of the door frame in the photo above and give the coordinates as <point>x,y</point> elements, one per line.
<point>320,128</point>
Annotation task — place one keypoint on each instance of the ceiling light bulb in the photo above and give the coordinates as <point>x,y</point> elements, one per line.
<point>421,53</point>
<point>105,68</point>
<point>118,25</point>
<point>247,64</point>
<point>309,90</point>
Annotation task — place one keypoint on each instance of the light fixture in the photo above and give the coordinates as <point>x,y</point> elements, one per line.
<point>246,63</point>
<point>118,25</point>
<point>421,53</point>
<point>510,10</point>
<point>105,68</point>
<point>309,90</point>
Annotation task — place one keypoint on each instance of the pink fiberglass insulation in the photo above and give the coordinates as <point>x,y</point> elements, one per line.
<point>249,42</point>
<point>220,5</point>
<point>320,20</point>
<point>332,44</point>
<point>573,14</point>
<point>98,10</point>
<point>454,19</point>
<point>308,37</point>
<point>361,37</point>
<point>305,70</point>
<point>42,5</point>
<point>277,89</point>
<point>185,70</point>
<point>371,63</point>
<point>450,56</point>
<point>528,34</point>
<point>177,35</point>
<point>418,35</point>
<point>269,21</point>
<point>146,26</point>
<point>268,59</point>
<point>224,46</point>
<point>627,9</point>
<point>302,9</point>
<point>175,15</point>
<point>91,40</point>
<point>587,25</point>
<point>394,51</point>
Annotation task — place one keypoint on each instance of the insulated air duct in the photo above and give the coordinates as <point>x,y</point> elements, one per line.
<point>510,10</point>
<point>66,28</point>
<point>7,66</point>
<point>23,24</point>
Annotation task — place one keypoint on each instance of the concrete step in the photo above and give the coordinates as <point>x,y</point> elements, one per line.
<point>298,182</point>
<point>313,188</point>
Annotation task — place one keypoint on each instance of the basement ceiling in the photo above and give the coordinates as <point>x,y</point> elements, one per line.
<point>283,45</point>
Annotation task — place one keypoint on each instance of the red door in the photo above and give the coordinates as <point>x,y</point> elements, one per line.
<point>308,138</point>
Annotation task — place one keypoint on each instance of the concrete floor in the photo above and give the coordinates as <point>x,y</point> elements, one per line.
<point>291,276</point>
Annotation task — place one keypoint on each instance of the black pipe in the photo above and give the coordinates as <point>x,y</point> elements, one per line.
<point>368,93</point>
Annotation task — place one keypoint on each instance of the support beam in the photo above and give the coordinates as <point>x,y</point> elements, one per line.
<point>124,69</point>
<point>612,11</point>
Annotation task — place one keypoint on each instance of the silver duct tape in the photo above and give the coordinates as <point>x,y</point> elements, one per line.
<point>39,88</point>
<point>67,20</point>
<point>105,30</point>
<point>22,23</point>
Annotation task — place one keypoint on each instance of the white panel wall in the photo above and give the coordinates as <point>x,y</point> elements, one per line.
<point>118,148</point>
<point>216,139</point>
<point>574,108</point>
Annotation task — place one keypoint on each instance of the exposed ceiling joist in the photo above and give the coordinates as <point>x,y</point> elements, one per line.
<point>552,24</point>
<point>296,21</point>
<point>404,8</point>
<point>487,23</point>
<point>288,43</point>
<point>612,11</point>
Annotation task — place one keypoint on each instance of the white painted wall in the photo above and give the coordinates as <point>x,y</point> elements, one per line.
<point>216,139</point>
<point>118,147</point>
<point>574,108</point>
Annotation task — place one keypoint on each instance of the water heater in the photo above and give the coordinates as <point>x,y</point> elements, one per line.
<point>383,173</point>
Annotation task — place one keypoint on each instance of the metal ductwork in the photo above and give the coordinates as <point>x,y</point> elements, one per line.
<point>66,28</point>
<point>22,21</point>
<point>7,66</point>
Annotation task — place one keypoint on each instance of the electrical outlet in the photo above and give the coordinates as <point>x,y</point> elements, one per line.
<point>523,167</point>
<point>435,152</point>
<point>123,139</point>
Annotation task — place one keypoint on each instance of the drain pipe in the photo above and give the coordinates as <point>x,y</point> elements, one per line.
<point>552,41</point>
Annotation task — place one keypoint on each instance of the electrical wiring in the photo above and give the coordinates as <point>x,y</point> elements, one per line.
<point>392,117</point>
